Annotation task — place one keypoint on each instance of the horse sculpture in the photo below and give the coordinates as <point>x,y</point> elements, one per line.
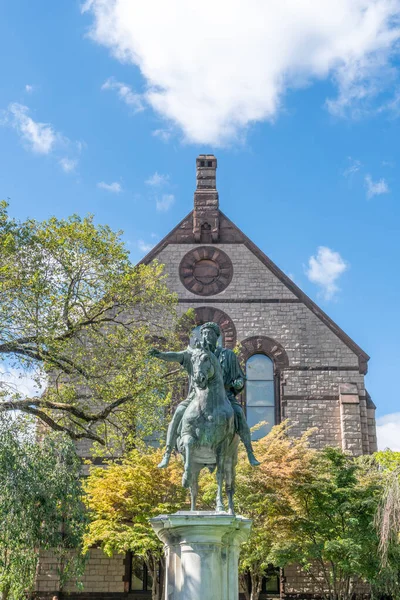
<point>206,437</point>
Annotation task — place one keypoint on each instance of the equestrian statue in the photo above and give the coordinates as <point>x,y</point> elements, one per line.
<point>207,425</point>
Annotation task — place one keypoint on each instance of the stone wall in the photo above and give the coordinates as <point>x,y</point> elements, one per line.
<point>102,574</point>
<point>299,585</point>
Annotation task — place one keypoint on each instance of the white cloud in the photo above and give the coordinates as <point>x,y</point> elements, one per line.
<point>215,72</point>
<point>388,432</point>
<point>375,188</point>
<point>113,187</point>
<point>163,134</point>
<point>39,137</point>
<point>324,270</point>
<point>29,88</point>
<point>165,202</point>
<point>125,93</point>
<point>68,164</point>
<point>157,180</point>
<point>144,247</point>
<point>354,166</point>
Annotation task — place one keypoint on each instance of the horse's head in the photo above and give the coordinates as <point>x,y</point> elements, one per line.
<point>203,365</point>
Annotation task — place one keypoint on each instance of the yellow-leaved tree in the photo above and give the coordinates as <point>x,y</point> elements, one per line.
<point>123,497</point>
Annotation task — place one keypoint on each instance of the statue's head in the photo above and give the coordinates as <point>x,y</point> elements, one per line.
<point>210,333</point>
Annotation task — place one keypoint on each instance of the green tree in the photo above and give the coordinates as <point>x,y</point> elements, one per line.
<point>328,525</point>
<point>40,506</point>
<point>122,498</point>
<point>79,318</point>
<point>387,521</point>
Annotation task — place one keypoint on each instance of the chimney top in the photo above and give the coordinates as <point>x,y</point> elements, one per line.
<point>206,205</point>
<point>206,167</point>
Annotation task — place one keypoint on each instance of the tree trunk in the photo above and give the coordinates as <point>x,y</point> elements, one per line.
<point>162,579</point>
<point>244,582</point>
<point>256,583</point>
<point>152,565</point>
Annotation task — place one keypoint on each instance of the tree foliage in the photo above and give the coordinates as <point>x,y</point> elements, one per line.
<point>387,522</point>
<point>78,317</point>
<point>328,526</point>
<point>314,508</point>
<point>123,497</point>
<point>40,506</point>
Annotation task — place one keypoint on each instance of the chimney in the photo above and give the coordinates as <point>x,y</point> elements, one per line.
<point>206,205</point>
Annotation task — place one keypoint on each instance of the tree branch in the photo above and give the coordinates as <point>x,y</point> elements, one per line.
<point>57,427</point>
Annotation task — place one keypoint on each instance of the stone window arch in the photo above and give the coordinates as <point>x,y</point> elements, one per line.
<point>263,359</point>
<point>261,344</point>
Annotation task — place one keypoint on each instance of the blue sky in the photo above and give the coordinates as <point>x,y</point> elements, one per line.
<point>300,102</point>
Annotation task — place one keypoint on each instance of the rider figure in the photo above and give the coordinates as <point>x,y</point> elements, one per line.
<point>233,381</point>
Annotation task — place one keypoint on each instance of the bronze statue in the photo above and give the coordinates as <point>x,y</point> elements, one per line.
<point>207,425</point>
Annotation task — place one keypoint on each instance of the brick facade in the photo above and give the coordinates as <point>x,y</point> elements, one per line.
<point>319,369</point>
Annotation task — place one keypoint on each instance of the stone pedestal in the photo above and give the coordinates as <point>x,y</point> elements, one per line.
<point>202,553</point>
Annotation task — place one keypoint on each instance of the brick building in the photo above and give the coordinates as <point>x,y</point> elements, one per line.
<point>300,365</point>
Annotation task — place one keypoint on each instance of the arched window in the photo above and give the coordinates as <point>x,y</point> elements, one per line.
<point>260,393</point>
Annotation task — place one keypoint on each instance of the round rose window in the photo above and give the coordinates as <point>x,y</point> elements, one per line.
<point>206,271</point>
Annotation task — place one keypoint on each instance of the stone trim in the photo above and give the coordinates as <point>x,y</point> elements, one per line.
<point>321,368</point>
<point>204,314</point>
<point>350,419</point>
<point>243,300</point>
<point>308,596</point>
<point>309,397</point>
<point>261,344</point>
<point>370,403</point>
<point>92,595</point>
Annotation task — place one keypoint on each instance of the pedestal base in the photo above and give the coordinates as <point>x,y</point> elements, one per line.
<point>202,553</point>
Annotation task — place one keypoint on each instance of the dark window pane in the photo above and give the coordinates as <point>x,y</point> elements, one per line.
<point>260,393</point>
<point>272,585</point>
<point>257,414</point>
<point>259,367</point>
<point>137,575</point>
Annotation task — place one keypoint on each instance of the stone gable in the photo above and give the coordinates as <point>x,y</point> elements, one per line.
<point>259,302</point>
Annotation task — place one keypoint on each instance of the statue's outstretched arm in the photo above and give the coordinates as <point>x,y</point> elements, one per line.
<point>167,356</point>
